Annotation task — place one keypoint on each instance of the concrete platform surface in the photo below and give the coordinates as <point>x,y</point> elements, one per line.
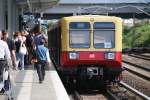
<point>27,86</point>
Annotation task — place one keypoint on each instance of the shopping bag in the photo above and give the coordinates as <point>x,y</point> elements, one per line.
<point>23,49</point>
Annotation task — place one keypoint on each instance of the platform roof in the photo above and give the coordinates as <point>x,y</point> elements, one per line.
<point>102,1</point>
<point>123,8</point>
<point>36,5</point>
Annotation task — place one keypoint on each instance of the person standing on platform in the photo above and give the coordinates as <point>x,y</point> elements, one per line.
<point>43,59</point>
<point>11,46</point>
<point>5,63</point>
<point>29,40</point>
<point>18,43</point>
<point>38,36</point>
<point>5,52</point>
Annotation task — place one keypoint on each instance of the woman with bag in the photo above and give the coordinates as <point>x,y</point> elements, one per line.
<point>20,49</point>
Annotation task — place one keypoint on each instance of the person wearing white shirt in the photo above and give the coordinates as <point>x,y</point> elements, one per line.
<point>5,62</point>
<point>4,51</point>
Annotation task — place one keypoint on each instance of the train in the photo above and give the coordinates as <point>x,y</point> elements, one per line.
<point>87,47</point>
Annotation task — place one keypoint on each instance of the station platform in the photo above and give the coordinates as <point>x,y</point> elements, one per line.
<point>27,86</point>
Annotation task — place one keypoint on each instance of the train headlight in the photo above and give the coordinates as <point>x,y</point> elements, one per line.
<point>110,55</point>
<point>73,55</point>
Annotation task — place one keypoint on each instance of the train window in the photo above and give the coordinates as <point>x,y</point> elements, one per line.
<point>104,25</point>
<point>79,39</point>
<point>79,25</point>
<point>104,38</point>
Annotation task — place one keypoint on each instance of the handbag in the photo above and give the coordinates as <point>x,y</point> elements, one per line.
<point>23,49</point>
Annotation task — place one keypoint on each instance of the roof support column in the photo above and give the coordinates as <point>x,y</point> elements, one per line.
<point>12,17</point>
<point>15,17</point>
<point>2,15</point>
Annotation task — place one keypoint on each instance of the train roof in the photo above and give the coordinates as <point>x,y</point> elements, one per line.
<point>85,17</point>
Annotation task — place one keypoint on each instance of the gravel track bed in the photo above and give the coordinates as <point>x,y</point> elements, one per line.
<point>137,82</point>
<point>146,55</point>
<point>140,56</point>
<point>137,61</point>
<point>94,97</point>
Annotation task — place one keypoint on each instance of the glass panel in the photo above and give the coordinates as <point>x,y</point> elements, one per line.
<point>104,25</point>
<point>104,39</point>
<point>79,25</point>
<point>80,39</point>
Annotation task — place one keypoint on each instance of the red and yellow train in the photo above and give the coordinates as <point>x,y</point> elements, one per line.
<point>88,46</point>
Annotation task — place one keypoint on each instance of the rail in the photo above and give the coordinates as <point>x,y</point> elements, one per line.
<point>137,71</point>
<point>139,66</point>
<point>77,95</point>
<point>135,91</point>
<point>112,95</point>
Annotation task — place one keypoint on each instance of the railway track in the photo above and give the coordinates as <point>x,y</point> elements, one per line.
<point>138,66</point>
<point>141,68</point>
<point>147,55</point>
<point>75,96</point>
<point>121,91</point>
<point>125,92</point>
<point>138,71</point>
<point>140,94</point>
<point>140,56</point>
<point>90,95</point>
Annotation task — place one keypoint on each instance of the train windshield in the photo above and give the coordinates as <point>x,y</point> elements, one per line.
<point>104,35</point>
<point>79,34</point>
<point>79,39</point>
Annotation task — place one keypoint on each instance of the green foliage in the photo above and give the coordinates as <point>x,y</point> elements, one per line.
<point>136,36</point>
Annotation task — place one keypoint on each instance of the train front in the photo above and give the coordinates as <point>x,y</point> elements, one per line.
<point>91,47</point>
